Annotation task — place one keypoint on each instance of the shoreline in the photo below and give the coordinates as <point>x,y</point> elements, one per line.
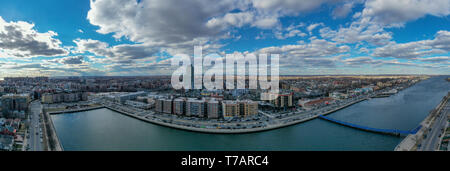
<point>48,124</point>
<point>203,130</point>
<point>234,131</point>
<point>221,131</point>
<point>411,142</point>
<point>75,110</point>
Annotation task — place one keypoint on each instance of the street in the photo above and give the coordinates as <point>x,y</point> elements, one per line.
<point>35,130</point>
<point>431,142</point>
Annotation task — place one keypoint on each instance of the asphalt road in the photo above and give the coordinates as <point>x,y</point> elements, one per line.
<point>431,142</point>
<point>35,141</point>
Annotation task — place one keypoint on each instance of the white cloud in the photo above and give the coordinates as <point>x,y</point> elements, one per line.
<point>436,59</point>
<point>311,27</point>
<point>20,39</point>
<point>70,60</point>
<point>360,30</point>
<point>231,19</point>
<point>397,12</point>
<point>160,22</point>
<point>316,53</point>
<point>124,53</point>
<point>266,23</point>
<point>289,7</point>
<point>343,11</point>
<point>439,45</point>
<point>291,33</point>
<point>363,50</point>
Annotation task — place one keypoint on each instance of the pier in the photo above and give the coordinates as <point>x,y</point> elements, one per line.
<point>395,132</point>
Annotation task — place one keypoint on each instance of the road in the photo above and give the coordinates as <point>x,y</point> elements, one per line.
<point>35,139</point>
<point>430,143</point>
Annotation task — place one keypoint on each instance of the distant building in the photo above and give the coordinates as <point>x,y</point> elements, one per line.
<point>318,102</point>
<point>283,100</point>
<point>129,96</point>
<point>140,105</point>
<point>58,98</point>
<point>337,95</point>
<point>68,97</point>
<point>47,98</point>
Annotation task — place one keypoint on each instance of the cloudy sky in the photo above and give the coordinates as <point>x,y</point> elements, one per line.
<point>138,37</point>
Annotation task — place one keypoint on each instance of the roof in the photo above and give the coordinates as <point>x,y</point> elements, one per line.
<point>314,102</point>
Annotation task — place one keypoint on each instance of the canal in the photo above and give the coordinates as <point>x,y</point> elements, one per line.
<point>104,129</point>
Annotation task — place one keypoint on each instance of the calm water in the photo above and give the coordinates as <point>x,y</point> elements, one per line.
<point>107,130</point>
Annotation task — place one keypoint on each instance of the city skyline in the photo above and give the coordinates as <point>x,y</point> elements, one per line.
<point>138,38</point>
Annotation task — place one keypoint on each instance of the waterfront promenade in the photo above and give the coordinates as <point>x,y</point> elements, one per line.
<point>426,138</point>
<point>154,119</point>
<point>277,123</point>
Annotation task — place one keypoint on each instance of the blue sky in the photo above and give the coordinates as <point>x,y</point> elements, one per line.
<point>128,37</point>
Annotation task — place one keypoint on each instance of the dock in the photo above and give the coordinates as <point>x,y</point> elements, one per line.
<point>395,132</point>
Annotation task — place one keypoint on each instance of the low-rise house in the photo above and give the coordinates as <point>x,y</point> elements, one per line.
<point>6,142</point>
<point>7,130</point>
<point>2,121</point>
<point>318,102</point>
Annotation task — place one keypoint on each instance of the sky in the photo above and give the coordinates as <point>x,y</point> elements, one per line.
<point>139,37</point>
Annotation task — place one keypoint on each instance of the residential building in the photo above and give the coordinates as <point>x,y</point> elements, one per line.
<point>283,100</point>
<point>213,109</point>
<point>179,106</point>
<point>230,109</point>
<point>129,96</point>
<point>195,107</point>
<point>247,108</point>
<point>14,102</point>
<point>167,106</point>
<point>159,105</point>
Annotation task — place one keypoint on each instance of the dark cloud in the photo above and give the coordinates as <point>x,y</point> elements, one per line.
<point>25,66</point>
<point>125,53</point>
<point>72,60</point>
